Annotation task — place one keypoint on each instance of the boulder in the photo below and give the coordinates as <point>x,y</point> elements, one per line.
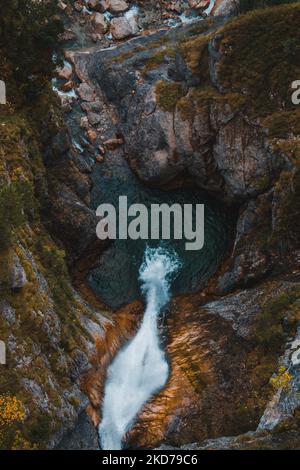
<point>225,8</point>
<point>65,72</point>
<point>84,122</point>
<point>115,6</point>
<point>122,27</point>
<point>78,6</point>
<point>85,92</point>
<point>96,5</point>
<point>94,118</point>
<point>99,23</point>
<point>92,136</point>
<point>199,4</point>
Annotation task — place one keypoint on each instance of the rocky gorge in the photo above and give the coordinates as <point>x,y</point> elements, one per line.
<point>161,101</point>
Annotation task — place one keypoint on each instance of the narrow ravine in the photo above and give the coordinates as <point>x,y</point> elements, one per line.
<point>140,369</point>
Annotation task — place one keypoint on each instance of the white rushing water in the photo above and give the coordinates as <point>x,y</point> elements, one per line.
<point>140,369</point>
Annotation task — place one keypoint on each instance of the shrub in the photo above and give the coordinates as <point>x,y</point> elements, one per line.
<point>11,411</point>
<point>248,5</point>
<point>282,380</point>
<point>11,214</point>
<point>29,44</point>
<point>168,94</point>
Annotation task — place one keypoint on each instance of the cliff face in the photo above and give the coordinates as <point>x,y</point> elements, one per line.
<point>186,110</point>
<point>46,326</point>
<point>173,108</point>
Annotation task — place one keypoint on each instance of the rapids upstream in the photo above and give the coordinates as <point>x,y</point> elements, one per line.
<point>140,369</point>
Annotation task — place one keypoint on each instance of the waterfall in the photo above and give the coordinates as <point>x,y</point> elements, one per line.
<point>140,369</point>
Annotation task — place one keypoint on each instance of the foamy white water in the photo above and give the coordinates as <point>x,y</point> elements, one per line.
<point>140,369</point>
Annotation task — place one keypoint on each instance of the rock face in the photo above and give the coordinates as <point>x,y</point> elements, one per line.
<point>175,125</point>
<point>221,149</point>
<point>155,111</point>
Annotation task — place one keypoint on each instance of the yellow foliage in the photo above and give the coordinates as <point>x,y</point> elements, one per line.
<point>282,379</point>
<point>20,443</point>
<point>11,410</point>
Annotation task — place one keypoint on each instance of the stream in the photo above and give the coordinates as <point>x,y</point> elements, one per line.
<point>140,369</point>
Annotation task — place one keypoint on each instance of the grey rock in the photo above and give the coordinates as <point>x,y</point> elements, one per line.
<point>41,398</point>
<point>7,312</point>
<point>18,277</point>
<point>82,437</point>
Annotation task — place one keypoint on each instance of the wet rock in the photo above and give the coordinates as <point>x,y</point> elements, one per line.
<point>65,72</point>
<point>69,86</point>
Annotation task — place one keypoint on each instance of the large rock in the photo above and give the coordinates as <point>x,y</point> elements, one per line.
<point>122,27</point>
<point>225,8</point>
<point>199,4</point>
<point>115,6</point>
<point>96,5</point>
<point>99,23</point>
<point>85,92</point>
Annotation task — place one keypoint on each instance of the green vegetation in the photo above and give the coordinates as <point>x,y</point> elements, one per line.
<point>248,5</point>
<point>287,227</point>
<point>260,57</point>
<point>168,93</point>
<point>15,199</point>
<point>282,379</point>
<point>29,46</point>
<point>269,327</point>
<point>46,305</point>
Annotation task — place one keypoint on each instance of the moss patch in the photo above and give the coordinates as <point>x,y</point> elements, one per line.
<point>168,94</point>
